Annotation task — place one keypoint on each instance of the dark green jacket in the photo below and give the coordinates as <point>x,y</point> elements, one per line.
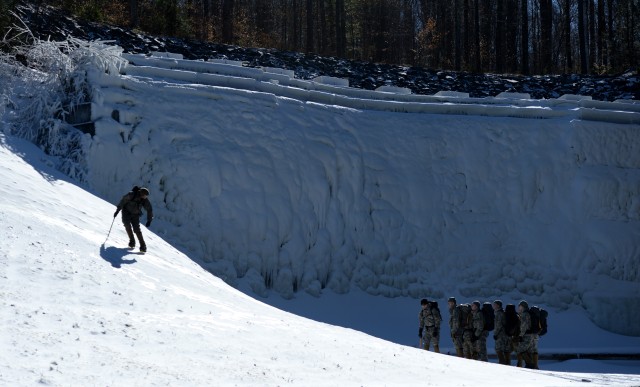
<point>131,205</point>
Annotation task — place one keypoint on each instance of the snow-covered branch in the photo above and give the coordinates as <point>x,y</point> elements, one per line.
<point>45,81</point>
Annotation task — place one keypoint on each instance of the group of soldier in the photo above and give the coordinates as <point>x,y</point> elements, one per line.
<point>512,331</point>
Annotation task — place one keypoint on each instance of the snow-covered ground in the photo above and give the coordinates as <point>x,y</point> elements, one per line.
<point>342,205</point>
<point>77,308</point>
<point>286,186</point>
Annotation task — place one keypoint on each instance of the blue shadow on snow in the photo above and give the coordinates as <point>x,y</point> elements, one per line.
<point>115,255</point>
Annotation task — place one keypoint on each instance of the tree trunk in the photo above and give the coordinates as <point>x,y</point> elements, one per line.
<point>499,43</point>
<point>567,35</point>
<point>631,33</point>
<point>592,35</point>
<point>134,18</point>
<point>340,29</point>
<point>524,37</point>
<point>476,22</point>
<point>582,38</point>
<point>511,37</point>
<point>309,26</point>
<point>611,38</point>
<point>227,21</point>
<point>466,44</point>
<point>458,35</point>
<point>323,41</point>
<point>546,30</point>
<point>601,32</point>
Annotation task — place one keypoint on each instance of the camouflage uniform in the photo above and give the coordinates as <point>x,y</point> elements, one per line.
<point>503,343</point>
<point>480,335</point>
<point>454,326</point>
<point>468,339</point>
<point>525,344</point>
<point>430,320</point>
<point>534,349</point>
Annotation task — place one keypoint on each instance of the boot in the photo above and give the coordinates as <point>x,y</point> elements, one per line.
<point>500,357</point>
<point>132,240</point>
<point>143,246</point>
<point>436,348</point>
<point>507,358</point>
<point>519,357</point>
<point>459,352</point>
<point>528,362</point>
<point>535,361</point>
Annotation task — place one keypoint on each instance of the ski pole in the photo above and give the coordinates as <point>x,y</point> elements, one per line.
<point>109,233</point>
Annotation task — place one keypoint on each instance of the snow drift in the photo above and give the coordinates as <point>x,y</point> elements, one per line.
<point>77,309</point>
<point>291,185</point>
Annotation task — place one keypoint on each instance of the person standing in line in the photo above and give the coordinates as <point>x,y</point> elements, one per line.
<point>131,206</point>
<point>468,337</point>
<point>454,326</point>
<point>512,327</point>
<point>500,336</point>
<point>479,337</point>
<point>429,329</point>
<point>524,341</point>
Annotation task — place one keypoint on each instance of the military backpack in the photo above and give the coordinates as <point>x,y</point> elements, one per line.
<point>511,321</point>
<point>464,316</point>
<point>489,316</point>
<point>538,321</point>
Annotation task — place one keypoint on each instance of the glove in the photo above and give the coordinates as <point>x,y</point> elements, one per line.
<point>474,338</point>
<point>516,339</point>
<point>436,333</point>
<point>116,213</point>
<point>495,337</point>
<point>420,332</point>
<point>148,223</point>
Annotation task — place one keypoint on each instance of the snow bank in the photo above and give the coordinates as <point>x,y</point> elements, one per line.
<point>300,186</point>
<point>79,310</point>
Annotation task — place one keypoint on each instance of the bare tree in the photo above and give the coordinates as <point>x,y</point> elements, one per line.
<point>341,28</point>
<point>592,35</point>
<point>134,19</point>
<point>524,36</point>
<point>582,38</point>
<point>227,21</point>
<point>546,31</point>
<point>567,36</point>
<point>601,33</point>
<point>500,34</point>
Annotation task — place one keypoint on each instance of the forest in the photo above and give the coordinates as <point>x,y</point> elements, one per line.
<point>480,36</point>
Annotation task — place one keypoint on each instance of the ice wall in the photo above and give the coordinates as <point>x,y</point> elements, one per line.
<point>294,186</point>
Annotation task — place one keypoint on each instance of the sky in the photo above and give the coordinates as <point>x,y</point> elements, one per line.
<point>79,308</point>
<point>296,230</point>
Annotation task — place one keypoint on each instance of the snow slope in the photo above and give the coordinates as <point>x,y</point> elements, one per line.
<point>77,309</point>
<point>282,185</point>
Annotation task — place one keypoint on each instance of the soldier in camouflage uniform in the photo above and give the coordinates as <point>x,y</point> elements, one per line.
<point>454,326</point>
<point>524,341</point>
<point>468,336</point>
<point>429,325</point>
<point>479,337</point>
<point>131,205</point>
<point>503,343</point>
<point>534,348</point>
